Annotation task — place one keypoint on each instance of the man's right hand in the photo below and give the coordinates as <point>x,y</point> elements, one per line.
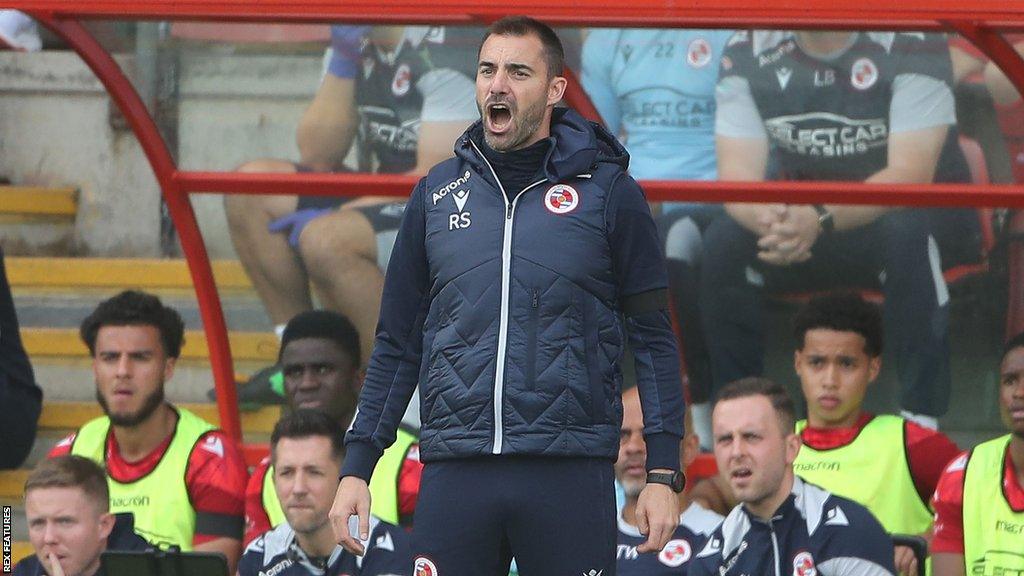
<point>906,561</point>
<point>352,499</point>
<point>55,568</point>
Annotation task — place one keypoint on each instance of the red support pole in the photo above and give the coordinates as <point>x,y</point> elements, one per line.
<point>864,14</point>
<point>996,47</point>
<point>577,97</point>
<point>804,192</point>
<point>153,145</point>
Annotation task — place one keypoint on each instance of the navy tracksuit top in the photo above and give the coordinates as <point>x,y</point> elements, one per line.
<point>813,533</point>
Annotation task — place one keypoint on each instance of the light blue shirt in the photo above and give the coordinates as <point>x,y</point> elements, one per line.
<point>655,89</point>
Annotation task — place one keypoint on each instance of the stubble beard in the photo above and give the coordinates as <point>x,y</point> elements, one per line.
<point>632,489</point>
<point>149,406</point>
<point>527,125</point>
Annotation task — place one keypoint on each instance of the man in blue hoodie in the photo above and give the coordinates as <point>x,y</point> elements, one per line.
<point>517,263</point>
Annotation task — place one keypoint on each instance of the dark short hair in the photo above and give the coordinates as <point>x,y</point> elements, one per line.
<point>71,471</point>
<point>518,26</point>
<point>136,308</point>
<point>307,423</point>
<point>326,325</point>
<point>1012,344</point>
<point>842,312</point>
<point>757,386</point>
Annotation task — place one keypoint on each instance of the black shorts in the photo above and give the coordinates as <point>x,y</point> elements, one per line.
<point>319,202</point>
<point>385,219</point>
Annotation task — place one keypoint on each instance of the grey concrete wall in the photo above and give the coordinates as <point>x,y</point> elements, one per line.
<point>234,109</point>
<point>56,130</point>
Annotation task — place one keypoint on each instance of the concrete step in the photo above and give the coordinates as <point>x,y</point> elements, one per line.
<point>68,416</point>
<point>53,296</point>
<point>73,380</point>
<point>61,292</point>
<point>74,274</point>
<point>12,482</point>
<point>27,203</point>
<point>65,343</point>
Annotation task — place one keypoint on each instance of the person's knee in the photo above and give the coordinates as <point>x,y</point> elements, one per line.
<point>906,242</point>
<point>241,208</point>
<point>683,241</point>
<point>266,166</point>
<point>237,207</point>
<point>901,228</point>
<point>250,213</point>
<point>725,240</point>
<point>331,239</point>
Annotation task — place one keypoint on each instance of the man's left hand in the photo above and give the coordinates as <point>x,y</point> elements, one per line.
<point>657,515</point>
<point>790,241</point>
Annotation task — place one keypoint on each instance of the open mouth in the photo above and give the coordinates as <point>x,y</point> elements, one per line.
<point>499,117</point>
<point>741,474</point>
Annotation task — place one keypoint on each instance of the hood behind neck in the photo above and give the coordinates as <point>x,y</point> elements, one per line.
<point>578,145</point>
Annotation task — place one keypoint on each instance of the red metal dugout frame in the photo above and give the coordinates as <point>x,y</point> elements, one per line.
<point>980,21</point>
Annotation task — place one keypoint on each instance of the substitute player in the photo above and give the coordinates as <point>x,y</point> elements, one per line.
<point>182,478</point>
<point>321,366</point>
<point>979,504</point>
<point>838,358</point>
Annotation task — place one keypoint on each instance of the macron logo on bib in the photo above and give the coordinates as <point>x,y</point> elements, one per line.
<point>460,196</point>
<point>213,445</point>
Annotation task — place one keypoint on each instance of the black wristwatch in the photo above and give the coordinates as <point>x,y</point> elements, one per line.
<point>825,219</point>
<point>674,480</point>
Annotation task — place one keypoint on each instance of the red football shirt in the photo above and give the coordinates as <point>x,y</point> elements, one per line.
<point>928,451</point>
<point>948,502</point>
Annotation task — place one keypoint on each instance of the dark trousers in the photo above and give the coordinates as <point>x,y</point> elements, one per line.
<point>681,231</point>
<point>556,516</point>
<point>896,253</point>
<point>20,397</point>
